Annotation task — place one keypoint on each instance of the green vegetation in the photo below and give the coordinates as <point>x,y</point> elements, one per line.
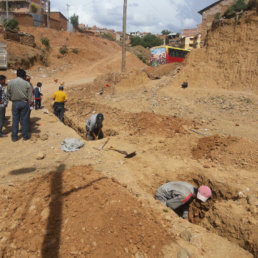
<point>165,32</point>
<point>252,4</point>
<point>165,210</point>
<point>33,8</point>
<point>63,50</point>
<point>75,50</point>
<point>11,25</point>
<point>149,40</point>
<point>74,20</point>
<point>45,42</point>
<point>238,6</point>
<point>217,16</point>
<point>108,36</point>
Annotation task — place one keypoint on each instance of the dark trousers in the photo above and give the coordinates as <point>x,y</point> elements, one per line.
<point>98,133</point>
<point>59,110</point>
<point>37,104</point>
<point>20,112</point>
<point>2,117</point>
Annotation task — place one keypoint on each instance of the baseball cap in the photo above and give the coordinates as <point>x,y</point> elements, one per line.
<point>204,193</point>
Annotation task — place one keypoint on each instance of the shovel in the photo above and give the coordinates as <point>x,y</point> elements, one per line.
<point>127,155</point>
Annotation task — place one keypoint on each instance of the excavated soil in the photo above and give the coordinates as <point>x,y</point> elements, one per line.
<point>79,206</point>
<point>96,203</point>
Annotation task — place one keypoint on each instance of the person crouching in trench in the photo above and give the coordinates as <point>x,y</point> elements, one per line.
<point>178,195</point>
<point>94,127</point>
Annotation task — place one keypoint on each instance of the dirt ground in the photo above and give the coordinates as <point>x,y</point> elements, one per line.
<point>95,202</point>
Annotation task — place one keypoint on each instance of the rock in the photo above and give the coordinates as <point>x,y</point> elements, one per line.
<point>44,137</point>
<point>45,111</point>
<point>186,235</point>
<point>45,213</point>
<point>183,253</point>
<point>40,156</point>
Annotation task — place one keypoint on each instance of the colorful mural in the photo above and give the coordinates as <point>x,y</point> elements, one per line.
<point>158,56</point>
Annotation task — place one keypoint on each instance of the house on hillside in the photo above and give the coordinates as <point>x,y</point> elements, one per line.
<point>191,38</point>
<point>209,12</point>
<point>26,6</point>
<point>61,19</point>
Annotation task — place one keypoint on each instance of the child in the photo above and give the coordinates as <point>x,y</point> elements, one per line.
<point>38,95</point>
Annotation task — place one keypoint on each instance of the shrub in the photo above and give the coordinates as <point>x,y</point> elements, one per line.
<point>217,16</point>
<point>11,25</point>
<point>108,36</point>
<point>75,50</point>
<point>45,42</point>
<point>63,50</point>
<point>252,4</point>
<point>238,6</point>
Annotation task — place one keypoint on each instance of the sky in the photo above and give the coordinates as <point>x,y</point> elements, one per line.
<point>142,15</point>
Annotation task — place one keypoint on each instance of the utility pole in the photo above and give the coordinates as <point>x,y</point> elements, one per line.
<point>48,13</point>
<point>6,9</point>
<point>67,5</point>
<point>124,37</point>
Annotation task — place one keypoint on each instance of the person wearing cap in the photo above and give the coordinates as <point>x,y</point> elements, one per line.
<point>178,195</point>
<point>3,103</point>
<point>60,98</point>
<point>94,127</point>
<point>19,92</point>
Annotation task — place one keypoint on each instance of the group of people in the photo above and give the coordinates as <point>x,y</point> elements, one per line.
<point>175,195</point>
<point>23,96</point>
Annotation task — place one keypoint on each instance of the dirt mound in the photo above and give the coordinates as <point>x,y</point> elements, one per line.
<point>227,150</point>
<point>77,212</point>
<point>157,72</point>
<point>229,58</point>
<point>153,124</point>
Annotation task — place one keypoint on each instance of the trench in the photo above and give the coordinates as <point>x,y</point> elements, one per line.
<point>226,214</point>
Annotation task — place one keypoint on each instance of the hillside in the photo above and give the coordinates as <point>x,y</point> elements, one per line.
<point>95,202</point>
<point>229,59</point>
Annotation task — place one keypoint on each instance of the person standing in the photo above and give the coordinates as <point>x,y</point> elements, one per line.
<point>94,127</point>
<point>3,103</point>
<point>20,93</point>
<point>37,95</point>
<point>60,98</point>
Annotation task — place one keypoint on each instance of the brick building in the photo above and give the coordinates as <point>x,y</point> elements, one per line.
<point>63,21</point>
<point>25,6</point>
<point>209,13</point>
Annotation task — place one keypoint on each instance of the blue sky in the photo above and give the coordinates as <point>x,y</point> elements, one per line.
<point>142,15</point>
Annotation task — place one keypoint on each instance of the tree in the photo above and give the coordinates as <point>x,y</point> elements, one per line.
<point>75,20</point>
<point>165,32</point>
<point>11,25</point>
<point>136,41</point>
<point>151,40</point>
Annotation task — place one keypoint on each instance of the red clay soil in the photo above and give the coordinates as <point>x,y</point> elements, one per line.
<point>227,150</point>
<point>77,212</point>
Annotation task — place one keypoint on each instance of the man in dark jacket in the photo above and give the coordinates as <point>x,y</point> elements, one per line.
<point>19,92</point>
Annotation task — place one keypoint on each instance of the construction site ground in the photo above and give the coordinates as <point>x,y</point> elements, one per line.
<point>95,202</point>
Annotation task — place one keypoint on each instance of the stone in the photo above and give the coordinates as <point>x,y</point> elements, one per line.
<point>186,235</point>
<point>183,253</point>
<point>44,137</point>
<point>40,156</point>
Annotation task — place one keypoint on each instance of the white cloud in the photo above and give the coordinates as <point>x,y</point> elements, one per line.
<point>145,15</point>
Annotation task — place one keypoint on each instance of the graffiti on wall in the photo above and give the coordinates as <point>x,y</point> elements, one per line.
<point>158,56</point>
